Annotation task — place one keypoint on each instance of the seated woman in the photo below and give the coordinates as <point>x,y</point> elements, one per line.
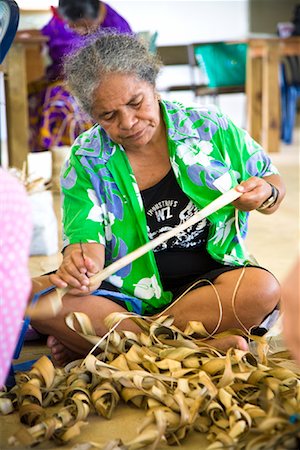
<point>54,115</point>
<point>16,229</point>
<point>146,166</point>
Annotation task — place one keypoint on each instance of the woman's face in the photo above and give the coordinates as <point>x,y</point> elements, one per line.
<point>128,110</point>
<point>84,26</point>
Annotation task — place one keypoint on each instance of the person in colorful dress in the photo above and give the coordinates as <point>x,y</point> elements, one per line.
<point>145,167</point>
<point>16,230</point>
<point>54,115</point>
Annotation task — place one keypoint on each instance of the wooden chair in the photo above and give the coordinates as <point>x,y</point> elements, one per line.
<point>213,90</point>
<point>184,56</point>
<point>178,56</point>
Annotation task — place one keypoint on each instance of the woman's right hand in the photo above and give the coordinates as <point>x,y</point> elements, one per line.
<point>80,263</point>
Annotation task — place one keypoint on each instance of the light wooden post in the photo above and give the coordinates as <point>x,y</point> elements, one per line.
<point>254,92</point>
<point>271,119</point>
<point>17,106</point>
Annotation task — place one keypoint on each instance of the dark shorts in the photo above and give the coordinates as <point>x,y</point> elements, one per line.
<point>192,282</point>
<point>189,283</point>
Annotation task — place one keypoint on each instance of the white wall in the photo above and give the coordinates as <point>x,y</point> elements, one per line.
<point>176,21</point>
<point>183,21</point>
<point>36,5</point>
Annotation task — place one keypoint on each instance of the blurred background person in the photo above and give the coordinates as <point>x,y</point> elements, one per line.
<point>54,115</point>
<point>15,225</point>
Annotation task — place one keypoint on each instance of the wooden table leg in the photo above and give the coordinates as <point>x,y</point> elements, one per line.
<point>254,94</point>
<point>17,106</point>
<point>271,117</point>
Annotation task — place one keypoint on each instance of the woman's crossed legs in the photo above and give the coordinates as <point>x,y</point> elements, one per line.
<point>256,297</point>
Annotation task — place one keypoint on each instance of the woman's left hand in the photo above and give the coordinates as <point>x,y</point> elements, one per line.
<point>255,192</point>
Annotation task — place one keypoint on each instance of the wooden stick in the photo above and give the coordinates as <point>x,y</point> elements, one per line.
<point>214,206</point>
<point>46,310</point>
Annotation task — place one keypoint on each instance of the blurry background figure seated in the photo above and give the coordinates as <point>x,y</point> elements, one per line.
<point>55,117</point>
<point>290,79</point>
<point>290,93</point>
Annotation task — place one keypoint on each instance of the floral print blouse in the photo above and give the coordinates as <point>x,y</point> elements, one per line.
<point>102,202</point>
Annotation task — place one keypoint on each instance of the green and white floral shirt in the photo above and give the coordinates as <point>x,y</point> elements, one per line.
<point>102,202</point>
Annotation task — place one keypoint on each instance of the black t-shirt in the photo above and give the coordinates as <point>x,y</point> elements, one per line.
<point>184,256</point>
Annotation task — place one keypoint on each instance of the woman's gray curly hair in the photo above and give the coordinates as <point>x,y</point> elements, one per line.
<point>108,53</point>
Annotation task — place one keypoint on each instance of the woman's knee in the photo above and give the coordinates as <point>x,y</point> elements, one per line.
<point>264,290</point>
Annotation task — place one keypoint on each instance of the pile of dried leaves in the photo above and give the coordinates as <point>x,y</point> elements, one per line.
<point>237,400</point>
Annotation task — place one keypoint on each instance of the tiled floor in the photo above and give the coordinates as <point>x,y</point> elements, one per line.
<point>274,240</point>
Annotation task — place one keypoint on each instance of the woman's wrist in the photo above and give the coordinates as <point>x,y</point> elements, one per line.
<point>271,200</point>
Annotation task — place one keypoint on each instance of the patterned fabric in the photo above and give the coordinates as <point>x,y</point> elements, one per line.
<point>55,118</point>
<point>102,202</point>
<point>62,39</point>
<point>15,226</point>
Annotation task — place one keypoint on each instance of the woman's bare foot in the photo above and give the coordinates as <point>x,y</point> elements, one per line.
<point>60,354</point>
<point>228,342</point>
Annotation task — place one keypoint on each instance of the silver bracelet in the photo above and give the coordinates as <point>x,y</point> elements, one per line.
<point>270,202</point>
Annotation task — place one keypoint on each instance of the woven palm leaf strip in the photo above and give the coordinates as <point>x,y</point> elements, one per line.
<point>237,400</point>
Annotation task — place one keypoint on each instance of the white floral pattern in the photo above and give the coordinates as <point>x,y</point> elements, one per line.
<point>147,288</point>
